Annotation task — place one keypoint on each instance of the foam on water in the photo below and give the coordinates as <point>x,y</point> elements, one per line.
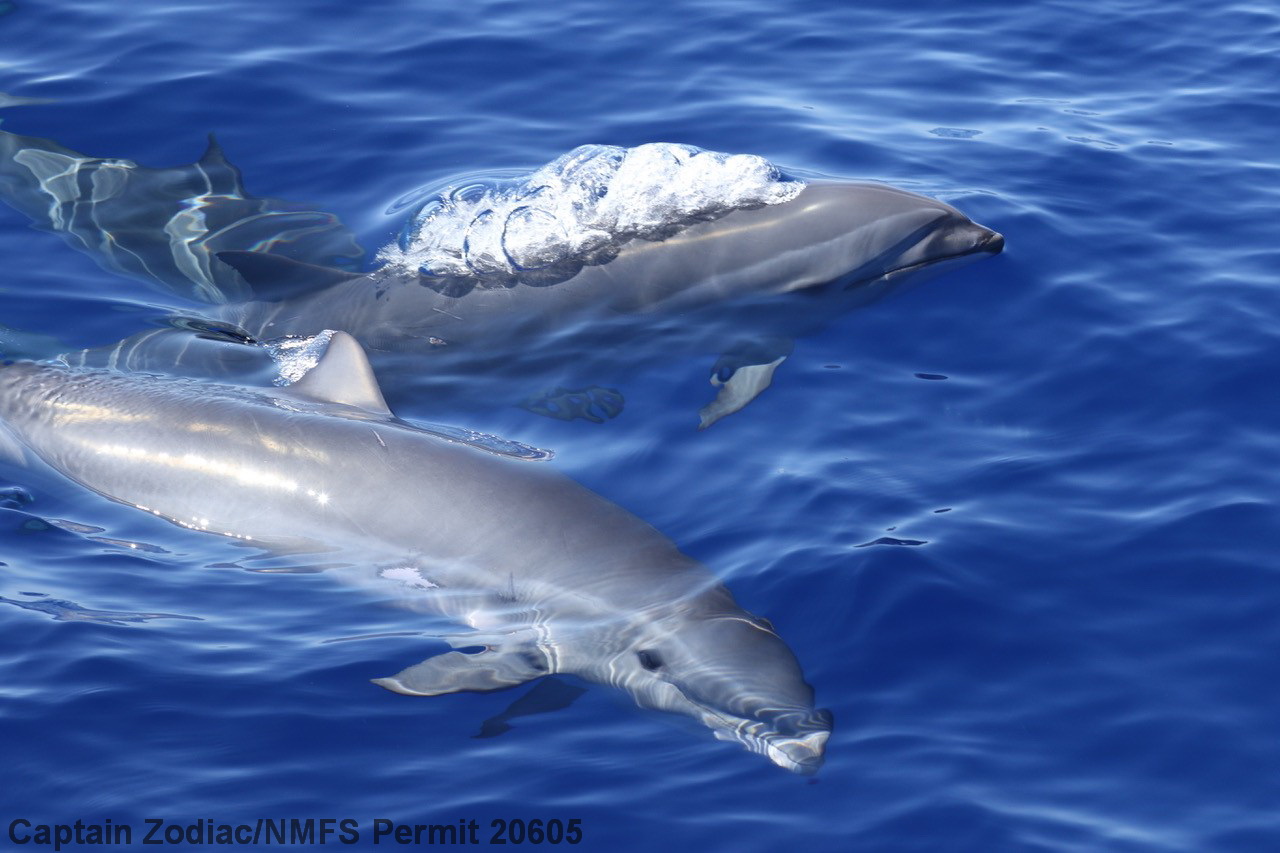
<point>577,210</point>
<point>295,356</point>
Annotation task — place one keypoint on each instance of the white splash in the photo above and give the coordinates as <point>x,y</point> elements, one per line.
<point>579,209</point>
<point>409,576</point>
<point>295,356</point>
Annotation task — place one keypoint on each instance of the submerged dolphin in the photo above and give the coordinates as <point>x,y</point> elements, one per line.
<point>162,225</point>
<point>742,284</point>
<point>552,577</point>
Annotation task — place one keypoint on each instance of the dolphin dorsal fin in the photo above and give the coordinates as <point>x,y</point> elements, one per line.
<point>275,277</point>
<point>213,154</point>
<point>343,375</point>
<point>223,178</point>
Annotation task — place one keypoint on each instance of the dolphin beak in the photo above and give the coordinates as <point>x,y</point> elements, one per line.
<point>801,755</point>
<point>993,243</point>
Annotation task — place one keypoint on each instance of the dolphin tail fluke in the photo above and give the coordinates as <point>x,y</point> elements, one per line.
<point>454,672</point>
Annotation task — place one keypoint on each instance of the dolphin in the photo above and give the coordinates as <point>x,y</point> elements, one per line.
<point>754,277</point>
<point>162,226</point>
<point>549,577</point>
<point>740,286</point>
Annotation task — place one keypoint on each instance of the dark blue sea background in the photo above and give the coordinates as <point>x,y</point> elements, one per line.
<point>1018,523</point>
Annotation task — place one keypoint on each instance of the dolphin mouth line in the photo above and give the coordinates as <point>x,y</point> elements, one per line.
<point>992,244</point>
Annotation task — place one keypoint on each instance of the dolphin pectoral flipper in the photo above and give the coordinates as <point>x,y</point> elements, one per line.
<point>741,374</point>
<point>453,672</point>
<point>549,694</point>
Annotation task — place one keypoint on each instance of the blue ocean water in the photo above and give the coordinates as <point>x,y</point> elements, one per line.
<point>1037,594</point>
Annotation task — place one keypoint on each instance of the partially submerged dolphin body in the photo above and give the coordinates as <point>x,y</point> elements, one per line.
<point>742,284</point>
<point>163,225</point>
<point>551,577</point>
<point>751,280</point>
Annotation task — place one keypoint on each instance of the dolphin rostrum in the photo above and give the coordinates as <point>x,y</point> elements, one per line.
<point>551,577</point>
<point>742,284</point>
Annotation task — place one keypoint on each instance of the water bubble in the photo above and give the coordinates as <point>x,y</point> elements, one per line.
<point>482,246</point>
<point>497,230</point>
<point>530,238</point>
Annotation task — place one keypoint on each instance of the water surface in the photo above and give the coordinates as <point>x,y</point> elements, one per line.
<point>1018,523</point>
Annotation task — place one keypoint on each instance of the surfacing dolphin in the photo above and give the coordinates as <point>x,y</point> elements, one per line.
<point>552,577</point>
<point>743,284</point>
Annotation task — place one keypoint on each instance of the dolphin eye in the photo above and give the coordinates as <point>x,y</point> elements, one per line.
<point>649,659</point>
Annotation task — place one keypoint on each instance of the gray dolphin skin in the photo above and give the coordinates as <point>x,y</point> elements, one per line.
<point>742,285</point>
<point>549,577</point>
<point>768,274</point>
<point>834,237</point>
